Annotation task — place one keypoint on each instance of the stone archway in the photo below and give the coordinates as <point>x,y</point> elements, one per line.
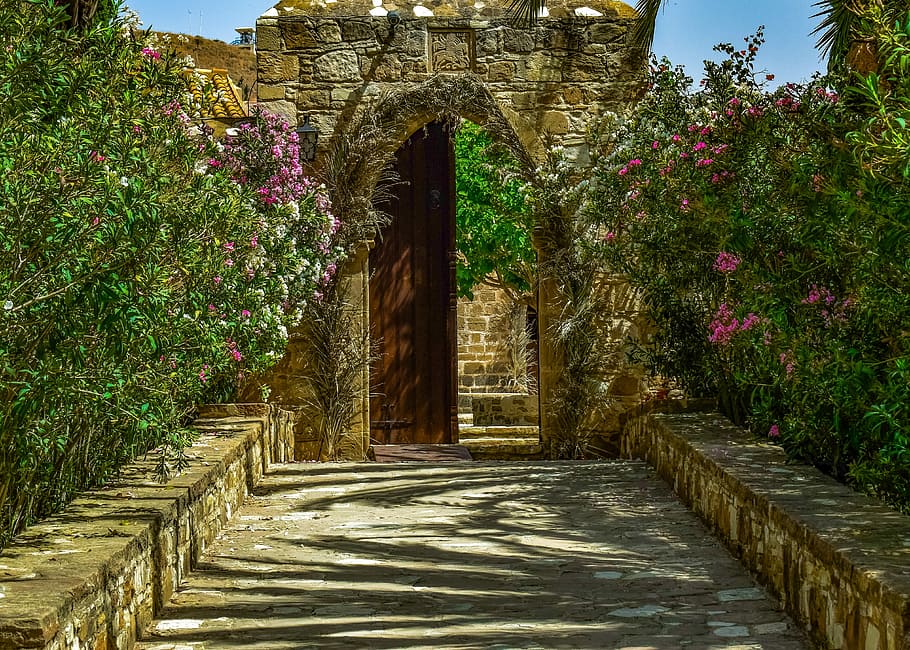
<point>368,79</point>
<point>359,153</point>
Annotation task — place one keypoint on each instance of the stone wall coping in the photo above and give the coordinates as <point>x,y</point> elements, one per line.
<point>89,548</point>
<point>847,575</point>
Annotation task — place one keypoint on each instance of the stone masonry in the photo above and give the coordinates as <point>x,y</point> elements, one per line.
<point>326,59</point>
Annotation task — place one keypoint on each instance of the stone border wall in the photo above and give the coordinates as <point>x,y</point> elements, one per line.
<point>838,561</point>
<point>95,575</point>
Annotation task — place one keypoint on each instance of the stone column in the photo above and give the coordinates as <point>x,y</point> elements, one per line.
<point>356,270</point>
<point>550,359</point>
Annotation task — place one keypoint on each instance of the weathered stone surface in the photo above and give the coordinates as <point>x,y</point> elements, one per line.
<point>501,71</point>
<point>93,576</point>
<point>282,107</point>
<point>543,66</point>
<point>356,30</point>
<point>268,38</point>
<point>267,91</point>
<point>468,555</point>
<point>505,409</point>
<point>837,560</point>
<point>340,65</point>
<point>518,41</point>
<point>307,34</point>
<point>274,67</point>
<point>312,99</point>
<point>386,68</point>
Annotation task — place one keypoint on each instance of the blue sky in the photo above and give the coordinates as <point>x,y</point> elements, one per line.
<point>686,30</point>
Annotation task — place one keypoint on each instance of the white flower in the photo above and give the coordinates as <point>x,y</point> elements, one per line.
<point>8,305</point>
<point>124,181</point>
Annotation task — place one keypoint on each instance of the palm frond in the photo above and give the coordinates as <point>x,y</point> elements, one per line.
<point>835,30</point>
<point>524,13</point>
<point>643,31</point>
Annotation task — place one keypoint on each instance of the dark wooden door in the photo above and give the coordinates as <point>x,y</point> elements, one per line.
<point>412,299</point>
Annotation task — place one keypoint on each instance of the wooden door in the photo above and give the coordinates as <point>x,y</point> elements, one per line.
<point>412,299</point>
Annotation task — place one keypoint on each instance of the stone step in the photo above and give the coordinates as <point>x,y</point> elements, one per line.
<point>499,449</point>
<point>466,418</point>
<point>498,433</point>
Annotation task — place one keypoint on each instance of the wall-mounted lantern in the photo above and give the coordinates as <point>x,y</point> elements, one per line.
<point>394,19</point>
<point>307,136</point>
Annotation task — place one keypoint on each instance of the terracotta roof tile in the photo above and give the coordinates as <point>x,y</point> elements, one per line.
<point>214,91</point>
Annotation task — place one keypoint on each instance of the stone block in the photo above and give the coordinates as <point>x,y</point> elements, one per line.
<point>274,68</point>
<point>383,68</point>
<point>282,107</point>
<point>312,99</point>
<point>357,30</point>
<point>268,37</point>
<point>340,65</point>
<point>309,34</point>
<point>607,32</point>
<point>519,41</point>
<point>541,66</point>
<point>488,41</point>
<point>501,71</point>
<point>269,91</point>
<point>572,95</point>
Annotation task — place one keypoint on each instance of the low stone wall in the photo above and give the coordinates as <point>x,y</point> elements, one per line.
<point>95,575</point>
<point>838,561</point>
<point>505,409</point>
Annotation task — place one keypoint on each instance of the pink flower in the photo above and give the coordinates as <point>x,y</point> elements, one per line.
<point>211,307</point>
<point>229,262</point>
<point>635,162</point>
<point>655,145</point>
<point>254,241</point>
<point>149,52</point>
<point>675,137</point>
<point>236,354</point>
<point>228,245</point>
<point>699,146</point>
<point>704,162</point>
<point>684,205</point>
<point>610,236</point>
<point>245,313</point>
<point>774,431</point>
<point>724,325</point>
<point>726,262</point>
<point>623,171</point>
<point>94,156</point>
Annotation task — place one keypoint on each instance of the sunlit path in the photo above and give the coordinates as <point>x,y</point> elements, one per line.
<point>535,555</point>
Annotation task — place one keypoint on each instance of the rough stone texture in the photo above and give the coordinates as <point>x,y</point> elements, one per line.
<point>482,360</point>
<point>838,561</point>
<point>558,77</point>
<point>94,575</point>
<point>469,555</point>
<point>504,409</point>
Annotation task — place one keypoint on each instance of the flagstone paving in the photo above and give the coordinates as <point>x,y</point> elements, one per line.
<point>469,555</point>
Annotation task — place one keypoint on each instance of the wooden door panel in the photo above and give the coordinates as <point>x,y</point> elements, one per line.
<point>410,297</point>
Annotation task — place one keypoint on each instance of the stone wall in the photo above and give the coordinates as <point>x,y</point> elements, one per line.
<point>95,575</point>
<point>483,364</point>
<point>327,60</point>
<point>837,560</point>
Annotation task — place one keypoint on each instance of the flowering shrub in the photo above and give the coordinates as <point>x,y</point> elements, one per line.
<point>143,269</point>
<point>767,232</point>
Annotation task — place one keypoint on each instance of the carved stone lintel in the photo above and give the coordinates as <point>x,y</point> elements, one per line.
<point>451,51</point>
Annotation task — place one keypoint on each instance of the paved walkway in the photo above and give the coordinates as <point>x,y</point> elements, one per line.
<point>469,555</point>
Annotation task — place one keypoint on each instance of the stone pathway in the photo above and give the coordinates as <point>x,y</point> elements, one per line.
<point>469,555</point>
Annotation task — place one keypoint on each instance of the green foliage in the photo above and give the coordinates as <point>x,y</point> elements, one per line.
<point>492,218</point>
<point>139,272</point>
<point>768,234</point>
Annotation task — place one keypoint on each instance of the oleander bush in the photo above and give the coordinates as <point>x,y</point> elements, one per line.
<point>144,267</point>
<point>768,233</point>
